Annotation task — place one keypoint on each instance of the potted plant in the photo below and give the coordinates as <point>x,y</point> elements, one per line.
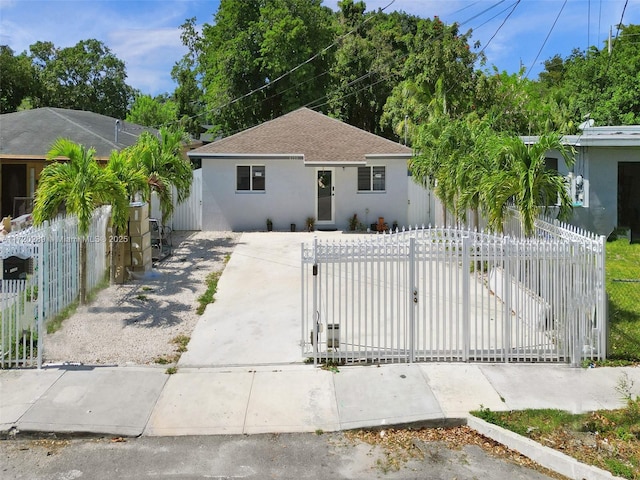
<point>310,223</point>
<point>269,225</point>
<point>353,222</point>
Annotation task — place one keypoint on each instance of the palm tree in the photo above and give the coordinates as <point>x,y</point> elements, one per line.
<point>133,177</point>
<point>82,186</point>
<point>520,176</point>
<point>121,164</point>
<point>474,163</point>
<point>165,167</point>
<point>436,146</point>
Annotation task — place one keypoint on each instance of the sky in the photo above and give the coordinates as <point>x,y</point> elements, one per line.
<point>145,34</point>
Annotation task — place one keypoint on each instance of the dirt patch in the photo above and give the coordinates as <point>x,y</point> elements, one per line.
<point>135,323</point>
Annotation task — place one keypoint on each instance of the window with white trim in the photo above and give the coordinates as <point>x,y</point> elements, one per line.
<point>250,178</point>
<point>371,179</point>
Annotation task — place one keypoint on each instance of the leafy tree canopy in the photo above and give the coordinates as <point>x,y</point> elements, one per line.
<point>17,81</point>
<point>152,112</point>
<point>597,84</point>
<point>86,76</point>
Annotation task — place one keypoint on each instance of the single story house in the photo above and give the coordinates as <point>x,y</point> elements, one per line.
<point>605,179</point>
<point>27,136</point>
<point>300,165</point>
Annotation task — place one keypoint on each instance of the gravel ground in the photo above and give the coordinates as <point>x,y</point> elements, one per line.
<point>135,323</point>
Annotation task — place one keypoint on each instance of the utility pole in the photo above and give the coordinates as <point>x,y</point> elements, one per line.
<point>610,32</point>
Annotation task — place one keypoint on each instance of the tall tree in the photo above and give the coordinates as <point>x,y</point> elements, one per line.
<point>437,52</point>
<point>86,76</point>
<point>188,93</point>
<point>17,79</point>
<point>598,84</point>
<point>81,185</point>
<point>367,64</point>
<point>152,112</point>
<point>262,47</point>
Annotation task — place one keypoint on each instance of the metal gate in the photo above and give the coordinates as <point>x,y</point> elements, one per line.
<point>446,294</point>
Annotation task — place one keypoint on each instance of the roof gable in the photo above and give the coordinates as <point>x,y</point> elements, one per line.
<point>33,132</point>
<point>305,132</point>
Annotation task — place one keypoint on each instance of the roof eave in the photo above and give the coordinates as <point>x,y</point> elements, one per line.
<point>257,156</point>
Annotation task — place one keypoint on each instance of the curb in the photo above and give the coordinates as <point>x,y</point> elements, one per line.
<point>545,456</point>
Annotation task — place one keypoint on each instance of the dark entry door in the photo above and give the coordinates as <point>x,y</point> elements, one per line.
<point>629,198</point>
<point>325,190</point>
<point>14,184</point>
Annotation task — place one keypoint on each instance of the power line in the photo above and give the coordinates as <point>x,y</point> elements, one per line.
<point>495,16</point>
<point>289,72</point>
<point>606,71</point>
<point>362,77</point>
<point>515,5</point>
<point>588,24</point>
<point>547,38</point>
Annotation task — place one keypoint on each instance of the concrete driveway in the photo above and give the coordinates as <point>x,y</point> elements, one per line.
<point>255,319</point>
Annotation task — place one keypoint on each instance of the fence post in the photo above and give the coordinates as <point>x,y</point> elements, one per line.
<point>506,329</point>
<point>41,248</point>
<point>466,272</point>
<point>302,299</point>
<point>315,336</point>
<point>601,306</point>
<point>413,300</point>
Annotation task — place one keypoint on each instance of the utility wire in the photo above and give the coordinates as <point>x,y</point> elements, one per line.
<point>314,105</point>
<point>515,5</point>
<point>547,38</point>
<point>289,72</point>
<point>494,17</point>
<point>361,78</point>
<point>606,71</point>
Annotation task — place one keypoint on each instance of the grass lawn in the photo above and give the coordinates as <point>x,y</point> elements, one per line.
<point>623,289</point>
<point>608,439</point>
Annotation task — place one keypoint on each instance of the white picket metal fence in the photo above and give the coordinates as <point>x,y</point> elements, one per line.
<point>451,294</point>
<point>51,284</point>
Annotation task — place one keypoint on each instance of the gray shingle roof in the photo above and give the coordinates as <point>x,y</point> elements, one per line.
<point>318,137</point>
<point>32,132</point>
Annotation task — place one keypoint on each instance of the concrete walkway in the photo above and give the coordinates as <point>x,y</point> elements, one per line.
<point>133,401</point>
<point>243,374</point>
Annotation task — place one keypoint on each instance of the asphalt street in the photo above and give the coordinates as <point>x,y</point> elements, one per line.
<point>283,456</point>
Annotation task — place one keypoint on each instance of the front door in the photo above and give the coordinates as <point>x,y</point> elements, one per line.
<point>325,191</point>
<point>14,184</point>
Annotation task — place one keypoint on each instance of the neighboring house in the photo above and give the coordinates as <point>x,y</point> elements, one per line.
<point>27,136</point>
<point>605,179</point>
<point>303,164</point>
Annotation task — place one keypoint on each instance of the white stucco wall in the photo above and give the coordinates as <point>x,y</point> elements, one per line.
<point>602,171</point>
<point>392,204</point>
<point>290,194</point>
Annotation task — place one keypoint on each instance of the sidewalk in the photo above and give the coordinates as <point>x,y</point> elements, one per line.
<point>132,401</point>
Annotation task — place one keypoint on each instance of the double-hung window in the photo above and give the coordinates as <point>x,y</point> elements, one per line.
<point>250,178</point>
<point>371,179</point>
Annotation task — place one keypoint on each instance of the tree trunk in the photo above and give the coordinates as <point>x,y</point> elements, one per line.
<point>83,272</point>
<point>112,263</point>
